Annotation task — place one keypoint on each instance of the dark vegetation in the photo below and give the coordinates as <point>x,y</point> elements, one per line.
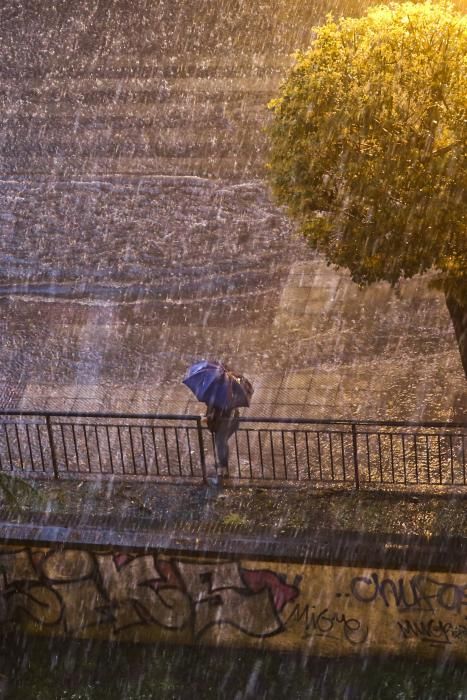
<point>80,670</point>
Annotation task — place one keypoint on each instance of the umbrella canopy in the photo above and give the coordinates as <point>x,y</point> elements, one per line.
<point>217,385</point>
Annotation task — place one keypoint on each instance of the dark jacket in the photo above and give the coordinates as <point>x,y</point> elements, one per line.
<point>222,423</point>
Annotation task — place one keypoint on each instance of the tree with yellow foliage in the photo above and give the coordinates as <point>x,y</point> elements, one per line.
<point>368,147</point>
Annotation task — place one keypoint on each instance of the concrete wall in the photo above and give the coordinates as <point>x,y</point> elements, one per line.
<point>149,597</point>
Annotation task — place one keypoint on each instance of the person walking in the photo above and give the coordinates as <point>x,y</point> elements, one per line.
<point>224,392</point>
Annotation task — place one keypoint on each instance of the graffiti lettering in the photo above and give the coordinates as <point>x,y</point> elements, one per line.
<point>34,601</point>
<point>420,592</point>
<point>152,596</point>
<point>71,590</point>
<point>227,594</point>
<point>434,631</point>
<point>141,591</point>
<point>329,624</point>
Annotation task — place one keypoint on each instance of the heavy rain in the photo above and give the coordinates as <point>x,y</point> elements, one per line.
<point>139,235</point>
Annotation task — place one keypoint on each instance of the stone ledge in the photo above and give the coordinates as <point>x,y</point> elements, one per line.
<point>344,548</point>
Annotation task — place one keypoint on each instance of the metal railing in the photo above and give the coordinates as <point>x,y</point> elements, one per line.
<point>177,447</point>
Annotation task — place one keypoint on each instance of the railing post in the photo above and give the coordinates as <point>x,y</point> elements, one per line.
<point>52,446</point>
<point>201,449</point>
<point>355,456</point>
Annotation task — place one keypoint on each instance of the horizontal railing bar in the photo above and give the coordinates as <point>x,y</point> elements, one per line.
<point>303,430</point>
<point>243,419</point>
<point>351,421</point>
<point>5,421</point>
<point>76,414</point>
<point>88,424</point>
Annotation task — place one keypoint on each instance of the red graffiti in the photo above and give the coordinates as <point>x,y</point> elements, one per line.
<point>121,559</point>
<point>169,575</point>
<point>281,591</point>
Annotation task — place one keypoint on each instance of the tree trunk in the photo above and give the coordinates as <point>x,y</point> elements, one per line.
<point>457,308</point>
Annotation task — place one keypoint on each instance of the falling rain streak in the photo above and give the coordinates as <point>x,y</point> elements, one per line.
<point>137,235</point>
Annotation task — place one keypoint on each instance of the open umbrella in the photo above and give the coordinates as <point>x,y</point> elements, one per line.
<point>217,385</point>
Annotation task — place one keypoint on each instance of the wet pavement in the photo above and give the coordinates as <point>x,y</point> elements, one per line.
<point>256,514</point>
<point>113,322</point>
<point>138,235</point>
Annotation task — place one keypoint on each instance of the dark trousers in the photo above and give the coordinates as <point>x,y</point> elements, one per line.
<point>222,452</point>
<point>227,427</point>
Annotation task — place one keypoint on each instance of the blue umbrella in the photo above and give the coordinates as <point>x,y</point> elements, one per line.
<point>217,385</point>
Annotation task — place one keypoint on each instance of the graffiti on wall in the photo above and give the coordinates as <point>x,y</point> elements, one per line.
<point>76,590</point>
<point>147,597</point>
<point>421,593</point>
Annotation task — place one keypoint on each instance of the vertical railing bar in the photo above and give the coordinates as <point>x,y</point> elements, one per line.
<point>73,432</point>
<point>20,452</point>
<point>331,455</point>
<point>8,447</point>
<point>237,453</point>
<point>452,459</point>
<point>144,450</point>
<point>120,445</point>
<point>202,454</point>
<point>86,444</point>
<point>39,439</point>
<point>380,457</point>
<point>271,443</point>
<point>296,454</point>
<point>65,451</point>
<point>416,457</point>
<point>462,437</point>
<point>132,447</point>
<point>343,456</point>
<point>239,468</point>
<point>188,442</point>
<point>404,460</point>
<point>391,442</point>
<point>109,447</point>
<point>248,445</point>
<point>10,457</point>
<point>53,453</point>
<point>284,457</point>
<point>156,460</point>
<point>178,451</point>
<point>29,447</point>
<point>440,460</point>
<point>307,455</point>
<point>355,455</point>
<point>260,452</point>
<point>101,470</point>
<point>164,431</point>
<point>368,455</point>
<point>427,459</point>
<point>319,456</point>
